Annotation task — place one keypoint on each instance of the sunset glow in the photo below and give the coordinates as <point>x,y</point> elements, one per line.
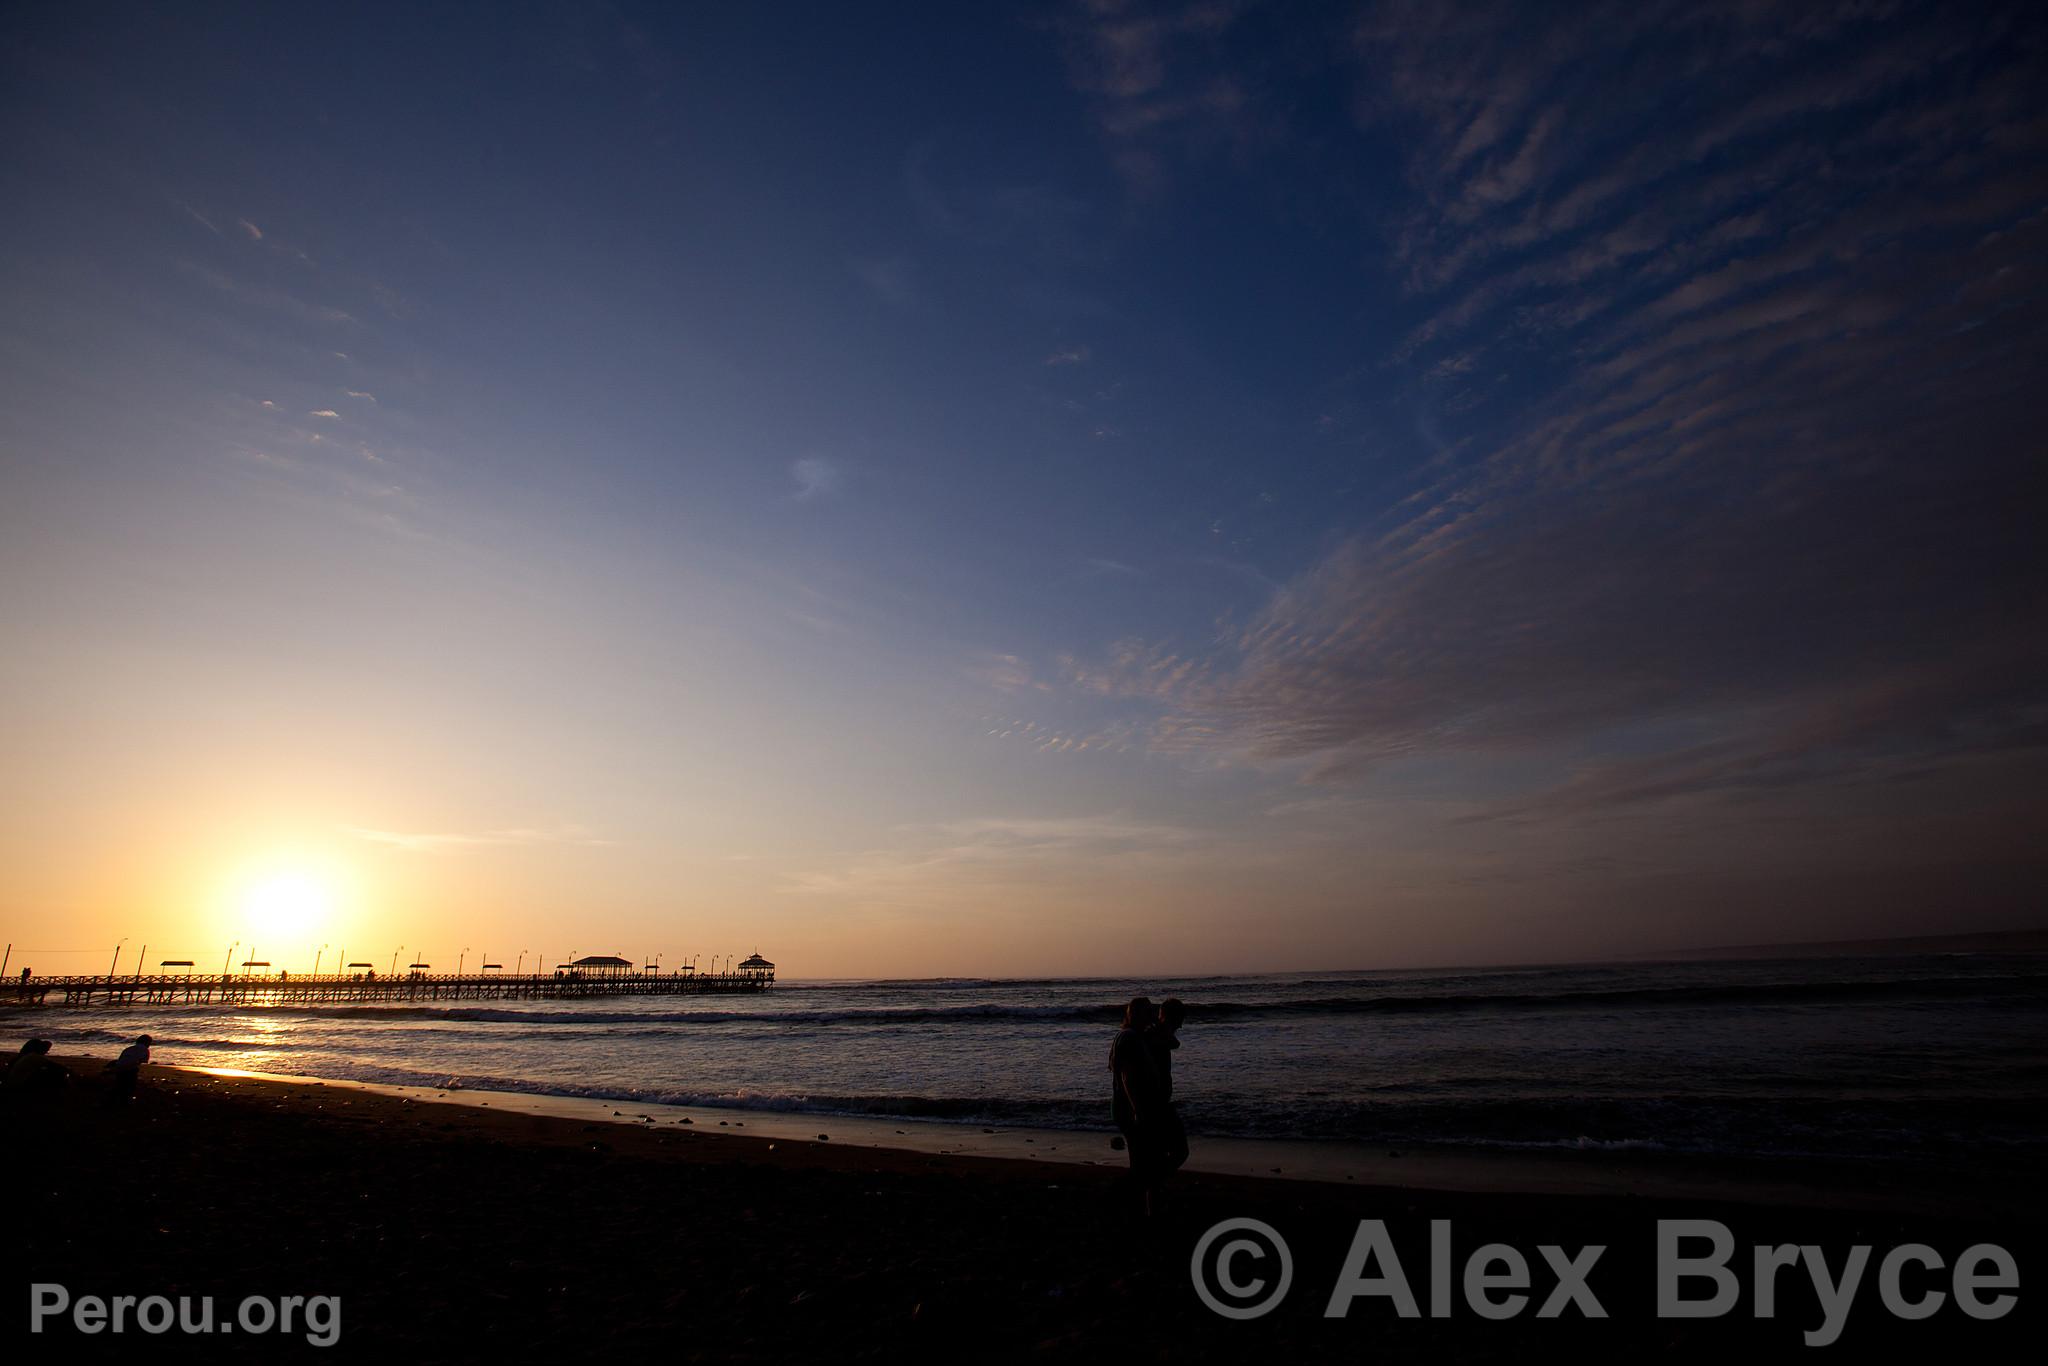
<point>288,905</point>
<point>1256,512</point>
<point>879,682</point>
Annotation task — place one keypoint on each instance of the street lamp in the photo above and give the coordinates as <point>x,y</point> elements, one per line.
<point>316,960</point>
<point>229,960</point>
<point>117,961</point>
<point>394,960</point>
<point>460,959</point>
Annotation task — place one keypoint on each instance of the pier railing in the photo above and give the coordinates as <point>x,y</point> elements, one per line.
<point>363,988</point>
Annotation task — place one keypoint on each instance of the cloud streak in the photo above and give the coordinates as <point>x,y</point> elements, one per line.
<point>429,842</point>
<point>1765,473</point>
<point>815,478</point>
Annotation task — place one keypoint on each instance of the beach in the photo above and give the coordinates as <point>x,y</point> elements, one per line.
<point>450,1228</point>
<point>1109,681</point>
<point>1920,1058</point>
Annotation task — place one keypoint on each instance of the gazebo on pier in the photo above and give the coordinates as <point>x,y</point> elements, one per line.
<point>602,965</point>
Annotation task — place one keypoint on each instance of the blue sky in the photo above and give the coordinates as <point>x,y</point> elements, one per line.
<point>977,486</point>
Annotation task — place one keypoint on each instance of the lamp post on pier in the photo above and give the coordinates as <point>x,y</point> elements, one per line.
<point>394,960</point>
<point>115,964</point>
<point>316,960</point>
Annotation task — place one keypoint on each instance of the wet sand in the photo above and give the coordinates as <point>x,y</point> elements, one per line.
<point>474,1226</point>
<point>1629,1171</point>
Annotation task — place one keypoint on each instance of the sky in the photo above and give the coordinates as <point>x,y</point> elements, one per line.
<point>1016,489</point>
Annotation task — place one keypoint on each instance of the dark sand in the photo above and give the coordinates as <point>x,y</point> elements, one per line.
<point>457,1233</point>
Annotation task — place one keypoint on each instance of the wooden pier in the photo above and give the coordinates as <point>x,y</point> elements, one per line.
<point>281,989</point>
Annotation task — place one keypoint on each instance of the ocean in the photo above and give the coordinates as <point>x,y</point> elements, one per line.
<point>1891,1058</point>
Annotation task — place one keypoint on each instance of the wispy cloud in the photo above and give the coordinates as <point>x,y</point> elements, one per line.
<point>201,219</point>
<point>265,297</point>
<point>1006,673</point>
<point>1068,355</point>
<point>992,851</point>
<point>255,233</point>
<point>358,393</point>
<point>815,477</point>
<point>323,412</point>
<point>1065,832</point>
<point>892,280</point>
<point>1764,521</point>
<point>435,841</point>
<point>1776,469</point>
<point>1047,737</point>
<point>1160,93</point>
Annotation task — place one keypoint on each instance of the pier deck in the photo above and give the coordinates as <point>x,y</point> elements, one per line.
<point>328,988</point>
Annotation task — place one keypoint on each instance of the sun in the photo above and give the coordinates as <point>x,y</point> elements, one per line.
<point>286,905</point>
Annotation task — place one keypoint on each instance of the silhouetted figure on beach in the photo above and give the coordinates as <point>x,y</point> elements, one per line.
<point>1138,1098</point>
<point>33,1074</point>
<point>127,1069</point>
<point>1164,1037</point>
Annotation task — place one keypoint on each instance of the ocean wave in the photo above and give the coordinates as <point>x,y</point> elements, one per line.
<point>1988,1127</point>
<point>1902,990</point>
<point>159,1042</point>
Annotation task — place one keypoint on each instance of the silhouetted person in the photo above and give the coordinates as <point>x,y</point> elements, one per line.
<point>32,1074</point>
<point>127,1069</point>
<point>1137,1098</point>
<point>1163,1037</point>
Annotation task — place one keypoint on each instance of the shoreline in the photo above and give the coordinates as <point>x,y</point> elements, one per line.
<point>1569,1172</point>
<point>473,1227</point>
